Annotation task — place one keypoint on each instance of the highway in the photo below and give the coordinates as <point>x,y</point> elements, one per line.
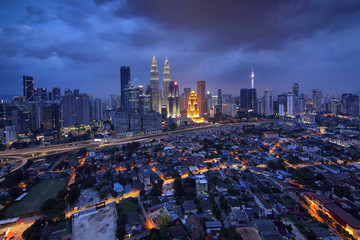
<point>38,152</point>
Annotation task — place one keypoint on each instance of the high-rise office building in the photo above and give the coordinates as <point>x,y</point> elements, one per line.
<point>182,105</point>
<point>154,87</point>
<point>43,94</point>
<point>290,104</point>
<point>350,104</point>
<point>174,103</point>
<point>243,98</point>
<point>301,103</point>
<point>229,109</point>
<point>201,97</point>
<point>317,99</point>
<point>131,99</point>
<point>252,99</point>
<point>35,109</point>
<point>40,94</point>
<point>261,106</point>
<point>83,109</point>
<point>144,103</point>
<point>76,93</point>
<point>124,82</point>
<point>56,94</point>
<point>28,88</point>
<point>209,102</point>
<point>282,100</point>
<point>220,100</point>
<point>296,89</point>
<point>296,97</point>
<point>37,94</point>
<point>166,83</point>
<point>98,112</point>
<point>68,108</point>
<point>51,121</point>
<point>335,106</point>
<point>268,102</point>
<point>186,101</point>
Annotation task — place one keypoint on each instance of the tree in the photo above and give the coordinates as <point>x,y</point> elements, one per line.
<point>74,194</point>
<point>53,206</point>
<point>62,194</point>
<point>279,164</point>
<point>229,234</point>
<point>163,219</point>
<point>304,176</point>
<point>157,189</point>
<point>82,151</point>
<point>342,191</point>
<point>14,192</point>
<point>320,177</point>
<point>154,234</point>
<point>33,232</point>
<point>223,203</point>
<point>47,205</point>
<point>289,228</point>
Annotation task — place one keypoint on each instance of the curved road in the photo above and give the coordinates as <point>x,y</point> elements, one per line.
<point>25,154</point>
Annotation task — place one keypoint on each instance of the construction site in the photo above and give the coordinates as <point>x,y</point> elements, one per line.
<point>95,223</point>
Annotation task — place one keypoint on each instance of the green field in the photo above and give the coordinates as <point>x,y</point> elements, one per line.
<point>37,195</point>
<point>128,206</point>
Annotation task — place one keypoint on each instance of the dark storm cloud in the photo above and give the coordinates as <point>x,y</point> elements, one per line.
<point>99,2</point>
<point>75,43</point>
<point>69,50</point>
<point>37,14</point>
<point>253,25</point>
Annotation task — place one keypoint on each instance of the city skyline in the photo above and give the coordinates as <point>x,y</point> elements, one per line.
<point>71,45</point>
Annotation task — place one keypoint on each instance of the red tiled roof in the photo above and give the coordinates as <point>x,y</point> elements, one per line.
<point>347,218</point>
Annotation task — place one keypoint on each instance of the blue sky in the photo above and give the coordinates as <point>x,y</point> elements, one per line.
<point>83,44</point>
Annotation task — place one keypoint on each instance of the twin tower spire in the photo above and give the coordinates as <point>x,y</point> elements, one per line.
<point>156,100</point>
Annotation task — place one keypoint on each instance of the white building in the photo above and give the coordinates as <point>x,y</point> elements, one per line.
<point>290,104</point>
<point>10,134</point>
<point>229,109</point>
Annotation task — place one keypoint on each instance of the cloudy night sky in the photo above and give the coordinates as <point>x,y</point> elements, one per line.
<point>82,44</point>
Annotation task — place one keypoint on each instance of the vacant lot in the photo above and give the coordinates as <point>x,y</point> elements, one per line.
<point>99,224</point>
<point>87,197</point>
<point>37,195</point>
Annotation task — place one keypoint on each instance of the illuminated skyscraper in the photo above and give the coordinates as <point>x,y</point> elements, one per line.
<point>193,111</point>
<point>28,87</point>
<point>154,87</point>
<point>174,103</point>
<point>166,83</point>
<point>252,78</point>
<point>201,97</point>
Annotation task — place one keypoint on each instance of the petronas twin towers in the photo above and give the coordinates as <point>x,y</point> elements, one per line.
<point>156,99</point>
